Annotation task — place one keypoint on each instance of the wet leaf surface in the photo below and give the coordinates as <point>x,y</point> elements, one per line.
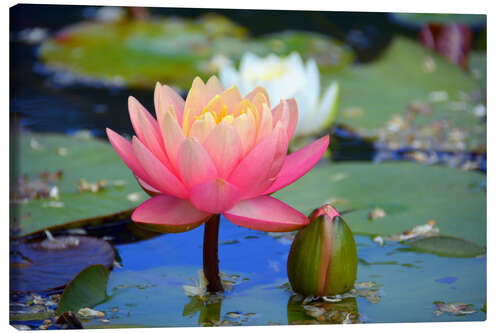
<point>448,246</point>
<point>50,264</point>
<point>92,183</point>
<point>394,99</point>
<point>410,195</point>
<point>87,289</point>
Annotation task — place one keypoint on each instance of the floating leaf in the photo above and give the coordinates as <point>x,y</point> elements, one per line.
<point>448,246</point>
<point>393,101</point>
<point>87,289</point>
<point>51,264</point>
<point>409,193</point>
<point>108,180</point>
<point>172,50</point>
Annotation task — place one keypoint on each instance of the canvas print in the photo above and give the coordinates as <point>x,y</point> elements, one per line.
<point>179,167</point>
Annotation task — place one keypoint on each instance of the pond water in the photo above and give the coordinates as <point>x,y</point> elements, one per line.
<point>147,290</point>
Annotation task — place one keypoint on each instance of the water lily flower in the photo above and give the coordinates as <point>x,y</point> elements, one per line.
<point>287,78</point>
<point>215,153</point>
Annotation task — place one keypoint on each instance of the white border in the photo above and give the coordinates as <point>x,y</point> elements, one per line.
<point>434,6</point>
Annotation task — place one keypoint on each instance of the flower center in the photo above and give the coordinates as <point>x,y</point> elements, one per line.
<point>266,73</point>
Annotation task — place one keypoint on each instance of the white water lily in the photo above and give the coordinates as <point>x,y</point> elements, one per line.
<point>285,78</point>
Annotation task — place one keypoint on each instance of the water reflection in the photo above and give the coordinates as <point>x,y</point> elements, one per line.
<point>335,311</point>
<point>209,309</point>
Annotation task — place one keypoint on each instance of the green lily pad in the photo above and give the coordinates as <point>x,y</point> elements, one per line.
<point>408,193</point>
<point>447,246</point>
<point>87,289</point>
<point>411,91</point>
<point>109,189</point>
<point>330,54</point>
<point>138,53</point>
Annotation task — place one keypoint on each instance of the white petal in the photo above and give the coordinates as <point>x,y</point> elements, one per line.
<point>327,109</point>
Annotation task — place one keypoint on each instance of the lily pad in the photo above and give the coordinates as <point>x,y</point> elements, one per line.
<point>410,194</point>
<point>89,162</point>
<point>447,246</point>
<point>52,263</point>
<point>138,53</point>
<point>87,289</point>
<point>411,91</point>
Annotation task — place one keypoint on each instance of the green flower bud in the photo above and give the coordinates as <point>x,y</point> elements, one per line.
<point>323,259</point>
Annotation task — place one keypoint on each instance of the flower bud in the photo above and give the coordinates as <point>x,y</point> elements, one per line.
<point>323,258</point>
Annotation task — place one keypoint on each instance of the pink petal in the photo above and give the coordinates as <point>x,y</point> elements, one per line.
<point>281,137</point>
<point>195,165</point>
<point>173,137</point>
<point>231,98</point>
<point>148,188</point>
<point>214,196</point>
<point>266,123</point>
<point>196,101</point>
<point>287,112</point>
<point>266,213</point>
<point>166,97</point>
<point>257,90</point>
<point>299,163</point>
<point>160,177</point>
<point>175,214</point>
<point>224,147</point>
<point>214,87</point>
<point>250,175</point>
<point>147,129</point>
<point>125,150</point>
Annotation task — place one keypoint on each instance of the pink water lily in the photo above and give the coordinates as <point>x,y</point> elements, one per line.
<point>215,153</point>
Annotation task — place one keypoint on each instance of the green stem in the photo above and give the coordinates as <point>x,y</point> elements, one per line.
<point>210,255</point>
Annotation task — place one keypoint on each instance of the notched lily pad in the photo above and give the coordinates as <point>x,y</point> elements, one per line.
<point>87,289</point>
<point>52,263</point>
<point>448,246</point>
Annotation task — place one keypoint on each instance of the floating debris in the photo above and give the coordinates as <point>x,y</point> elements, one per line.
<point>336,177</point>
<point>377,213</point>
<point>352,112</point>
<point>35,145</point>
<point>421,231</point>
<point>134,196</point>
<point>438,96</point>
<point>62,151</point>
<point>90,313</point>
<point>53,204</point>
<point>429,65</point>
<point>379,240</point>
<point>42,186</point>
<point>84,186</point>
<point>458,309</point>
<point>199,289</point>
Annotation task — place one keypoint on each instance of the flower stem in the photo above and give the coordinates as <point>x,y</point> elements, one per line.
<point>210,255</point>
